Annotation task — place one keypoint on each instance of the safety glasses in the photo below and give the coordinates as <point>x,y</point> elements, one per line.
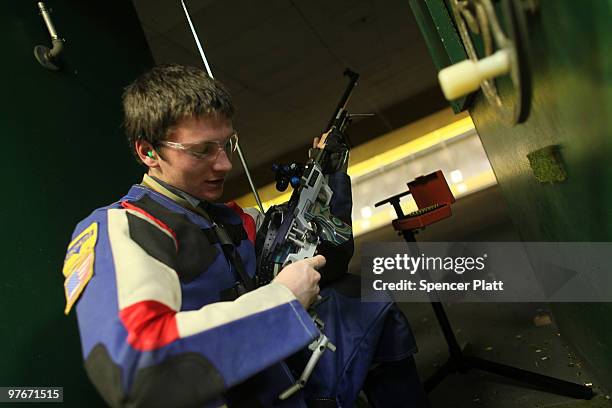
<point>208,150</point>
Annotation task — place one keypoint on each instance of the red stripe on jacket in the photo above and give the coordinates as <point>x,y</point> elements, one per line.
<point>247,221</point>
<point>163,225</point>
<point>150,325</point>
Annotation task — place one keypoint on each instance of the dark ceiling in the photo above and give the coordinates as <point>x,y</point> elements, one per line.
<point>283,62</point>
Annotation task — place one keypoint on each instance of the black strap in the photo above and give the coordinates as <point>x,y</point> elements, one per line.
<point>234,257</point>
<point>233,293</point>
<point>229,237</point>
<point>236,234</point>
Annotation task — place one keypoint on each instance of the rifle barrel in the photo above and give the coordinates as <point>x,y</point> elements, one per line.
<point>345,96</point>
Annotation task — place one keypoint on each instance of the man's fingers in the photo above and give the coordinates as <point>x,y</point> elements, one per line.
<point>315,142</point>
<point>317,262</point>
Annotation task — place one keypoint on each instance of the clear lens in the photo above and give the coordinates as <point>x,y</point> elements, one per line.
<point>207,150</point>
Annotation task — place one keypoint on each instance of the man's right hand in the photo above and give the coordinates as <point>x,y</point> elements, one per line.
<point>302,279</point>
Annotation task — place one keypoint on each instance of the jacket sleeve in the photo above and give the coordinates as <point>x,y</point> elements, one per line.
<point>341,206</point>
<point>141,349</point>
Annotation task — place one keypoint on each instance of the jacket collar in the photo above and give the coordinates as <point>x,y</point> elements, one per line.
<point>180,197</point>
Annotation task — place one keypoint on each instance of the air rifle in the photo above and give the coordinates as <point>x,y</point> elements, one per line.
<point>293,231</point>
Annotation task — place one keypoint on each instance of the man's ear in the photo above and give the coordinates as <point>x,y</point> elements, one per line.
<point>146,153</point>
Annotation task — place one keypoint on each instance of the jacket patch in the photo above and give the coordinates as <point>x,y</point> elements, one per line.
<point>79,264</point>
<point>195,252</point>
<point>105,375</point>
<point>155,242</point>
<point>150,325</point>
<point>185,380</point>
<point>160,223</point>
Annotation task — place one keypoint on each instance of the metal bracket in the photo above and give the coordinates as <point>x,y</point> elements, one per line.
<point>44,55</point>
<point>317,347</point>
<point>504,53</point>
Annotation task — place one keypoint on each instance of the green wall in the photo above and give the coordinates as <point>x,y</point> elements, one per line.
<point>63,154</point>
<point>572,107</point>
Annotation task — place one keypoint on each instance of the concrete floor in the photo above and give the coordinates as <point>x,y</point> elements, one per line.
<point>501,332</point>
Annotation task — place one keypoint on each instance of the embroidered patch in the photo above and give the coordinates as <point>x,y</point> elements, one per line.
<point>78,264</point>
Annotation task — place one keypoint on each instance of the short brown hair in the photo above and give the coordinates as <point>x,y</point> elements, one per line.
<point>159,98</point>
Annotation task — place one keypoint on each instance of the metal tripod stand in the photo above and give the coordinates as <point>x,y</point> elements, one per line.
<point>459,361</point>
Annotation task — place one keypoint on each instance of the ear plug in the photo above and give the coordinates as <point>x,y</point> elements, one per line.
<point>150,154</point>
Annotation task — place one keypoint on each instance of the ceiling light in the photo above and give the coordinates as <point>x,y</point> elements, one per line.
<point>456,176</point>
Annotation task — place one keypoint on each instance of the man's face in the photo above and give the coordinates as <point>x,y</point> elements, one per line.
<point>201,177</point>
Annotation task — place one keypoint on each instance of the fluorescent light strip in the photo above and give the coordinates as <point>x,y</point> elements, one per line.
<point>424,142</point>
<point>272,197</point>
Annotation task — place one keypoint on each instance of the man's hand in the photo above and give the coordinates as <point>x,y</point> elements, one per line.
<point>302,279</point>
<point>338,154</point>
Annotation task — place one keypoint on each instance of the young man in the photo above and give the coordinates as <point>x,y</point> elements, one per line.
<point>167,309</point>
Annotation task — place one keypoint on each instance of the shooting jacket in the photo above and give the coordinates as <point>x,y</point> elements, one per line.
<point>155,331</point>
